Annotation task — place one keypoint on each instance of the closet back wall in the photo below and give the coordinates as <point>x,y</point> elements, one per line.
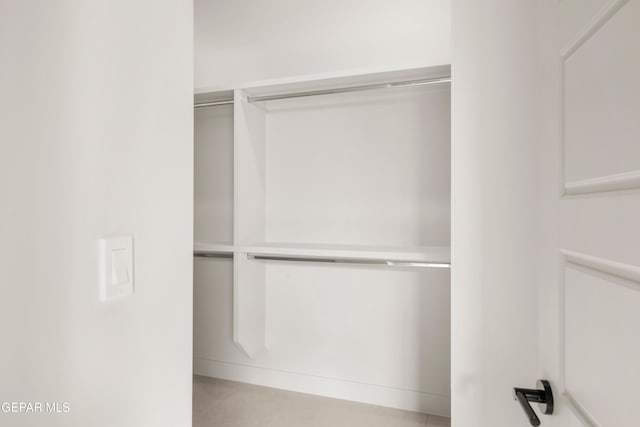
<point>249,40</point>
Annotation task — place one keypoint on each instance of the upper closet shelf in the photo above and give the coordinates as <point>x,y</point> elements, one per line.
<point>204,249</point>
<point>321,82</point>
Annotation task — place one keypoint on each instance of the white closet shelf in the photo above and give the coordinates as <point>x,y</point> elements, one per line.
<point>221,247</point>
<point>322,81</point>
<point>418,254</point>
<point>215,97</point>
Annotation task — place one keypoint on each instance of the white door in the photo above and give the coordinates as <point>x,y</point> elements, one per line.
<point>590,210</point>
<point>546,210</point>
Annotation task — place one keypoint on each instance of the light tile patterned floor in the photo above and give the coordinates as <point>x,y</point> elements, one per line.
<point>219,403</point>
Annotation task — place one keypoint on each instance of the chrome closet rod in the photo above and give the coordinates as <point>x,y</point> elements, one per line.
<point>409,83</point>
<point>213,103</point>
<point>212,254</point>
<point>341,260</point>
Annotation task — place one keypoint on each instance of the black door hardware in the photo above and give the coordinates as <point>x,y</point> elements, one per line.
<point>544,397</point>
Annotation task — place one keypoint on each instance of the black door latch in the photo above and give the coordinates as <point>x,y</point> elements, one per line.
<point>542,396</point>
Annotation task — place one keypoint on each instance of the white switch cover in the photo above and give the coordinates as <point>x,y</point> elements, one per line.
<point>116,266</point>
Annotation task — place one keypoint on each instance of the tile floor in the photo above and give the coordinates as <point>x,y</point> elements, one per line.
<point>220,403</point>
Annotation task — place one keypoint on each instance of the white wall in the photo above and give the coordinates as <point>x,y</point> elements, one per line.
<point>96,138</point>
<point>493,210</point>
<point>247,40</point>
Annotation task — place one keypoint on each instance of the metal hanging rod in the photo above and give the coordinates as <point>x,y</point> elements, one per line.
<point>409,83</point>
<point>213,103</point>
<point>341,260</point>
<point>212,254</point>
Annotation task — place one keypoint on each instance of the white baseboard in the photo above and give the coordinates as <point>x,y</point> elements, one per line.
<point>416,401</point>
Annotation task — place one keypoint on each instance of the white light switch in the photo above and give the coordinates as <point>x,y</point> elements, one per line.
<point>116,266</point>
<point>120,266</point>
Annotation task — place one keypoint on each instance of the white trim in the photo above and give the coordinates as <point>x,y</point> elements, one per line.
<point>611,268</point>
<point>578,410</point>
<point>595,24</point>
<point>630,274</point>
<point>574,406</point>
<point>410,400</point>
<point>617,182</point>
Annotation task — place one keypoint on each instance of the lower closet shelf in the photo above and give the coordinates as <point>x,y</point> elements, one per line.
<point>414,256</point>
<point>342,260</point>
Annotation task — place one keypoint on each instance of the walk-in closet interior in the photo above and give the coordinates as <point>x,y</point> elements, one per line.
<point>322,235</point>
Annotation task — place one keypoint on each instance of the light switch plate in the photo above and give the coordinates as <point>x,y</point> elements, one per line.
<point>116,266</point>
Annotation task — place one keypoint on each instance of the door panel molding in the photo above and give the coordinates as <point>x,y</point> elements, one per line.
<point>629,273</point>
<point>617,182</point>
<point>624,180</point>
<point>614,273</point>
<point>595,24</point>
